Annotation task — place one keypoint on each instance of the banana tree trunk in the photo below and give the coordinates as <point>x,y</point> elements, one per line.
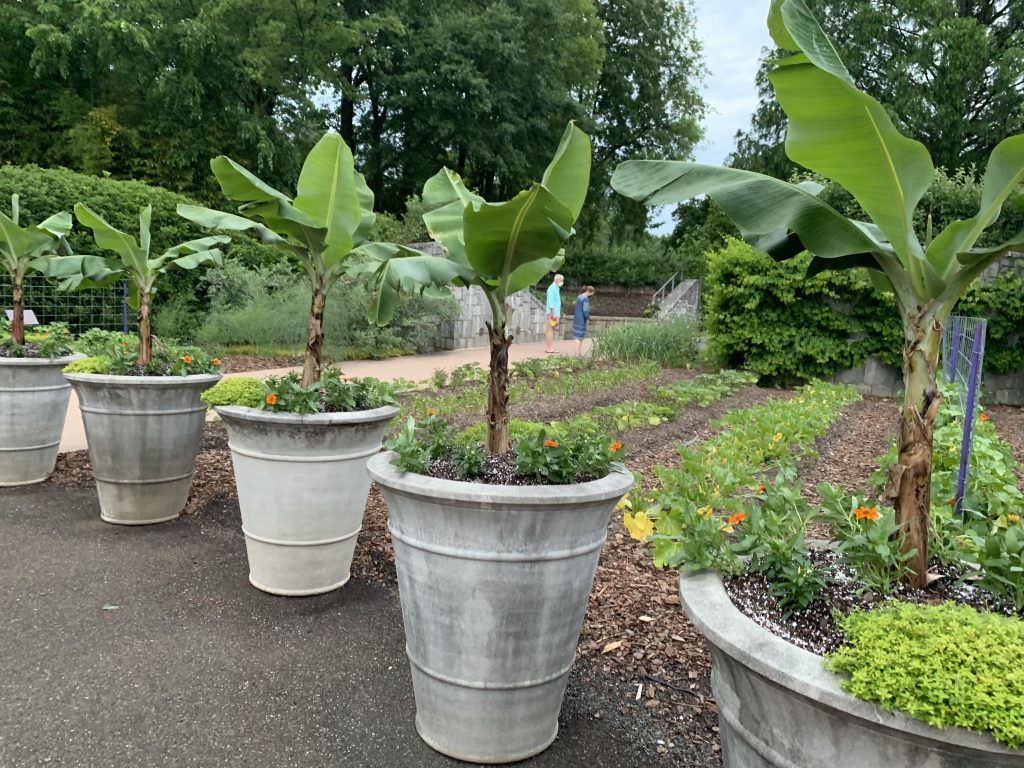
<point>313,359</point>
<point>18,312</point>
<point>909,483</point>
<point>497,390</point>
<point>145,329</point>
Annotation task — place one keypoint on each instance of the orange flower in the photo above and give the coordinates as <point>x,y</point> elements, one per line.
<point>271,399</point>
<point>983,417</point>
<point>738,518</point>
<point>952,501</point>
<point>871,513</point>
<point>431,412</point>
<point>216,361</point>
<point>761,488</point>
<point>550,444</point>
<point>187,359</point>
<point>615,447</point>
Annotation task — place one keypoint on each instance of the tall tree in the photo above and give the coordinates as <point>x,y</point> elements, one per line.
<point>949,72</point>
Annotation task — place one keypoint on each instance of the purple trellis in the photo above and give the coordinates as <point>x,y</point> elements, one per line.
<point>124,308</point>
<point>954,342</point>
<point>973,387</point>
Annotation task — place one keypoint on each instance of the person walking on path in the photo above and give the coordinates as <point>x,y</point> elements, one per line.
<point>581,316</point>
<point>554,310</point>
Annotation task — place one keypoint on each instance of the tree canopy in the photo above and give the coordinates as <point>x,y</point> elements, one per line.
<point>949,72</point>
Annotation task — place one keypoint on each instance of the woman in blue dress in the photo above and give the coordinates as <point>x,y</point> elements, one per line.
<point>581,316</point>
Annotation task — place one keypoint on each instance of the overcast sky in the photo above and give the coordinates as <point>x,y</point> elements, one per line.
<point>733,33</point>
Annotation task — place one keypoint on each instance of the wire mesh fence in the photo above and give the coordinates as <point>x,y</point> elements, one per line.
<point>105,308</point>
<point>963,355</point>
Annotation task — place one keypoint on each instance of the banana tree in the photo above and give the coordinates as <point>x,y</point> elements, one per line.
<point>25,250</point>
<point>501,248</point>
<point>325,227</point>
<point>132,261</point>
<point>845,135</point>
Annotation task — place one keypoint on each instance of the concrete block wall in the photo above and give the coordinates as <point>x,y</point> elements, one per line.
<point>880,380</point>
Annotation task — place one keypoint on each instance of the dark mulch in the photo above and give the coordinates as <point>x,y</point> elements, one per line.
<point>815,629</point>
<point>244,363</point>
<point>848,452</point>
<point>1009,424</point>
<point>498,470</point>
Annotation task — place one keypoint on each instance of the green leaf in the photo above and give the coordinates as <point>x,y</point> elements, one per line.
<point>1003,175</point>
<point>207,217</point>
<point>502,237</point>
<point>759,205</point>
<point>327,191</point>
<point>399,268</point>
<point>567,177</point>
<point>59,224</point>
<point>447,199</point>
<point>106,236</point>
<point>847,136</point>
<point>82,272</point>
<point>238,184</point>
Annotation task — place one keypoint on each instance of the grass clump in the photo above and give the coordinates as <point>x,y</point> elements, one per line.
<point>243,390</point>
<point>948,665</point>
<point>672,343</point>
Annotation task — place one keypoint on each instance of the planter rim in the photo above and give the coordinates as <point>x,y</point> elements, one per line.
<point>709,607</point>
<point>243,413</point>
<point>615,483</point>
<point>143,381</point>
<point>31,361</point>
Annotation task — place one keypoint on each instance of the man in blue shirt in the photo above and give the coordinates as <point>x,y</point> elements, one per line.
<point>554,310</point>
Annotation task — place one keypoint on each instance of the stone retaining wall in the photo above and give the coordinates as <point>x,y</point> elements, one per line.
<point>875,378</point>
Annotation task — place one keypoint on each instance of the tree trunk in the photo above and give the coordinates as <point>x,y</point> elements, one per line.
<point>18,312</point>
<point>145,331</point>
<point>313,359</point>
<point>909,484</point>
<point>497,391</point>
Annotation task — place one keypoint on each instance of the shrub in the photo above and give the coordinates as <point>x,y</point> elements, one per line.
<point>673,343</point>
<point>241,390</point>
<point>947,665</point>
<point>765,316</point>
<point>97,364</point>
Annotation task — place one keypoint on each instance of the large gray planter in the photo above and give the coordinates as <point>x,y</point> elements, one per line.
<point>33,404</point>
<point>143,434</point>
<point>302,488</point>
<point>494,582</point>
<point>780,708</point>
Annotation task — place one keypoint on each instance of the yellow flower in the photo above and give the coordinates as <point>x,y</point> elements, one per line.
<point>777,438</point>
<point>640,526</point>
<point>718,491</point>
<point>1013,518</point>
<point>624,503</point>
<point>705,511</point>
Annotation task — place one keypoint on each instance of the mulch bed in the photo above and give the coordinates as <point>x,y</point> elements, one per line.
<point>634,634</point>
<point>244,363</point>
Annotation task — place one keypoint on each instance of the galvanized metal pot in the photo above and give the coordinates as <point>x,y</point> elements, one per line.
<point>33,404</point>
<point>494,582</point>
<point>780,708</point>
<point>143,434</point>
<point>302,488</point>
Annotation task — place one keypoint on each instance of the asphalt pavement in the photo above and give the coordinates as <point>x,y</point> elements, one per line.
<point>146,646</point>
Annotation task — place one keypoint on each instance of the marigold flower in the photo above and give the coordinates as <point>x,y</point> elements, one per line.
<point>615,447</point>
<point>550,444</point>
<point>1012,518</point>
<point>738,518</point>
<point>187,359</point>
<point>271,399</point>
<point>761,488</point>
<point>952,501</point>
<point>216,361</point>
<point>983,417</point>
<point>870,513</point>
<point>431,412</point>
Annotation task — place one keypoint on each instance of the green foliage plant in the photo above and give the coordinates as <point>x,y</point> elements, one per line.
<point>673,343</point>
<point>705,389</point>
<point>96,364</point>
<point>333,392</point>
<point>27,250</point>
<point>830,123</point>
<point>241,390</point>
<point>501,248</point>
<point>410,452</point>
<point>866,540</point>
<point>325,227</point>
<point>469,460</point>
<point>945,664</point>
<point>133,260</point>
<point>562,458</point>
<point>996,553</point>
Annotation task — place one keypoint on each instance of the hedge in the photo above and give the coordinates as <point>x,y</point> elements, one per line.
<point>766,317</point>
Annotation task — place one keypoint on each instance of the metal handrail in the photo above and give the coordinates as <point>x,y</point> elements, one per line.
<point>667,288</point>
